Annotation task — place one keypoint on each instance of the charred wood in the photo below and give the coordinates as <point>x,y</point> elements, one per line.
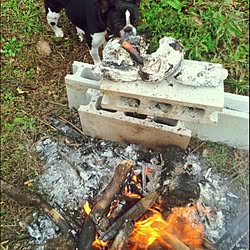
<point>123,170</point>
<point>121,240</point>
<point>132,214</point>
<point>27,198</point>
<point>87,235</point>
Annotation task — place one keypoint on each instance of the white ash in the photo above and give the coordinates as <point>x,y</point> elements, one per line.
<point>117,64</point>
<point>201,74</point>
<point>166,63</point>
<point>215,199</point>
<point>43,230</point>
<point>72,175</point>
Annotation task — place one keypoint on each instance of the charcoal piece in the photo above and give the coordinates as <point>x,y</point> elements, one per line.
<point>172,156</point>
<point>87,235</point>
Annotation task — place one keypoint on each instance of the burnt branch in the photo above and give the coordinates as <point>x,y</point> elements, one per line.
<point>132,214</point>
<point>29,199</point>
<point>122,171</point>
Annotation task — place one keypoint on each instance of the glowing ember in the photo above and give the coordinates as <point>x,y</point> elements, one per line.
<point>180,226</point>
<point>99,244</point>
<point>128,193</point>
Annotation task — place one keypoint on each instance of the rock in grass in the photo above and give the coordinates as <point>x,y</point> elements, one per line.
<point>43,48</point>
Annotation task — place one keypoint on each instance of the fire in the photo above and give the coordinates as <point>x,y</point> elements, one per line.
<point>180,227</point>
<point>87,208</point>
<point>128,193</point>
<point>99,244</point>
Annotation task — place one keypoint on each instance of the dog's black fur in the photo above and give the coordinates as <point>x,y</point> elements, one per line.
<point>95,18</point>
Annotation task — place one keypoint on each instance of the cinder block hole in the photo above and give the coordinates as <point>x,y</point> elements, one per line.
<point>86,100</point>
<point>89,74</point>
<point>164,107</point>
<point>166,121</point>
<point>99,107</point>
<point>136,115</point>
<point>129,102</point>
<point>193,112</point>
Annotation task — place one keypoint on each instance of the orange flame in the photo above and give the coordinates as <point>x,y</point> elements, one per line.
<point>181,224</point>
<point>130,194</point>
<point>99,244</point>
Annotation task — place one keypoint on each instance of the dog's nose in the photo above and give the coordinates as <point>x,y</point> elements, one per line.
<point>128,29</point>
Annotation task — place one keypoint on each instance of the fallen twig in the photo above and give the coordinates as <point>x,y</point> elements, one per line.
<point>27,198</point>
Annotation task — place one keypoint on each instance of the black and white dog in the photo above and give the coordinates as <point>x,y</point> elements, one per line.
<point>97,19</point>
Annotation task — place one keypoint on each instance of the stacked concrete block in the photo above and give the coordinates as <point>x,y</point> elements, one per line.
<point>79,82</point>
<point>170,98</point>
<point>232,128</point>
<point>129,127</point>
<point>151,114</point>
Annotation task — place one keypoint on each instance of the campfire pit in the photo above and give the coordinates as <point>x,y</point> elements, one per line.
<point>127,197</point>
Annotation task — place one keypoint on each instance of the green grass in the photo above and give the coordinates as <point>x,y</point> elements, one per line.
<point>23,15</point>
<point>214,31</point>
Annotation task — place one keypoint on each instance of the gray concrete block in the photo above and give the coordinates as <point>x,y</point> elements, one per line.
<point>164,109</point>
<point>232,129</point>
<point>236,102</point>
<point>79,82</point>
<point>129,128</point>
<point>168,98</point>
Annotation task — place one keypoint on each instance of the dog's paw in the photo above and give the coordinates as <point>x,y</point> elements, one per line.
<point>59,32</point>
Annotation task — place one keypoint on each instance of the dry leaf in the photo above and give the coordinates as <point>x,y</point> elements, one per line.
<point>43,48</point>
<point>197,20</point>
<point>20,91</point>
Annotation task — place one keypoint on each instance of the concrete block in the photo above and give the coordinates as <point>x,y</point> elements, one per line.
<point>232,129</point>
<point>168,98</point>
<point>129,128</point>
<point>79,82</point>
<point>163,109</point>
<point>236,102</point>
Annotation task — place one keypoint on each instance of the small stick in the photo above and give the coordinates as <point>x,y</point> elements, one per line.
<point>174,242</point>
<point>132,51</point>
<point>72,125</point>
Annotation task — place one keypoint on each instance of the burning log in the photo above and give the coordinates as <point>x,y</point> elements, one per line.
<point>27,198</point>
<point>102,206</point>
<point>133,214</point>
<point>98,213</point>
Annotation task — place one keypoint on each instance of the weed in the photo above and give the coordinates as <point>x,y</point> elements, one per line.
<point>216,32</point>
<point>11,47</point>
<point>24,15</point>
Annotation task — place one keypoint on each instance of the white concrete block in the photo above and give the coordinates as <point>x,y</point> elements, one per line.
<point>179,99</point>
<point>232,129</point>
<point>164,109</point>
<point>127,128</point>
<point>236,102</point>
<point>79,82</point>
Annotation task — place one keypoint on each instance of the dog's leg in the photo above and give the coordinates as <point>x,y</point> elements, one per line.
<point>98,39</point>
<point>52,19</point>
<point>80,33</point>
